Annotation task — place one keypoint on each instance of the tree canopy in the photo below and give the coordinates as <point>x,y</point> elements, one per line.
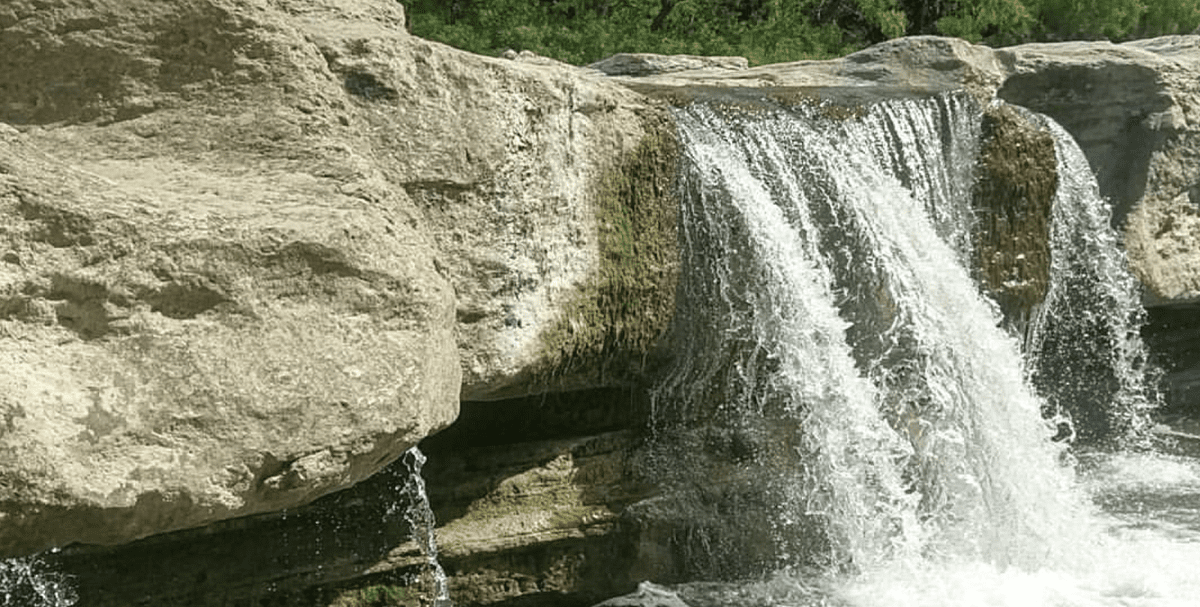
<point>768,31</point>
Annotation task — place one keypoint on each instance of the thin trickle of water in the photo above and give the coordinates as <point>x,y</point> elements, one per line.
<point>824,266</point>
<point>31,582</point>
<point>419,516</point>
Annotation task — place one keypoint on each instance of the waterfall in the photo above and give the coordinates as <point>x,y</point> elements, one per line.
<point>1084,344</point>
<point>419,516</point>
<point>828,320</point>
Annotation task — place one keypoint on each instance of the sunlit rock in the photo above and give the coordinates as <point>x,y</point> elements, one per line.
<point>251,252</point>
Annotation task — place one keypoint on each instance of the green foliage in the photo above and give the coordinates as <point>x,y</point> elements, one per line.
<point>376,596</point>
<point>582,31</point>
<point>768,31</point>
<point>1163,18</point>
<point>987,18</point>
<point>886,15</point>
<point>1073,19</point>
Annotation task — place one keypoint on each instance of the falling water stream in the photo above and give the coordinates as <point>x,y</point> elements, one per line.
<point>830,324</point>
<point>847,421</point>
<point>420,518</point>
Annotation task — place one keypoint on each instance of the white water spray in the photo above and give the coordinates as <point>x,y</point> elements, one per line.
<point>420,518</point>
<point>1084,346</point>
<point>31,582</point>
<point>799,220</point>
<point>826,304</point>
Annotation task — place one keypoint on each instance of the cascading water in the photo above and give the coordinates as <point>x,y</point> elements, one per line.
<point>420,518</point>
<point>1084,346</point>
<point>841,377</point>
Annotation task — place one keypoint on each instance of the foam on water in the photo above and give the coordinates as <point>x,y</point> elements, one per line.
<point>1143,550</point>
<point>825,283</point>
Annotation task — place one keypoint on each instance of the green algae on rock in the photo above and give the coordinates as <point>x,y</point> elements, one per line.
<point>1016,180</point>
<point>627,304</point>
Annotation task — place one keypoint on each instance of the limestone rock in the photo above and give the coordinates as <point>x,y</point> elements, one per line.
<point>251,251</point>
<point>526,495</point>
<point>194,325</point>
<point>646,64</point>
<point>916,65</point>
<point>1163,239</point>
<point>1134,108</point>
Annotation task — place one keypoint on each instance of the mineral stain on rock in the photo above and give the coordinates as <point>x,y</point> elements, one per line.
<point>99,421</point>
<point>367,86</point>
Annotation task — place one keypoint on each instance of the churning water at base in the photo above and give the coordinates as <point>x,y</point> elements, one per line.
<point>836,350</point>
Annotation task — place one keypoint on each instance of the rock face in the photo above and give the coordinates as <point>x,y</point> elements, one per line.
<point>253,251</point>
<point>1134,108</point>
<point>645,64</point>
<point>1014,189</point>
<point>172,358</point>
<point>920,65</point>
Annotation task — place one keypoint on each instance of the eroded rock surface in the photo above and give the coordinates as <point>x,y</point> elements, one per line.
<point>919,65</point>
<point>250,252</point>
<point>171,358</point>
<point>1134,108</point>
<point>646,64</point>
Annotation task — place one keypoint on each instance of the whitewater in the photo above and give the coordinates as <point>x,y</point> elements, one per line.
<point>828,292</point>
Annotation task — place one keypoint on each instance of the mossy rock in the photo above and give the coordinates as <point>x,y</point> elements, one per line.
<point>1014,193</point>
<point>378,595</point>
<point>614,323</point>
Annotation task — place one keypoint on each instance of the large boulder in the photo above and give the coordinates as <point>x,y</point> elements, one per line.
<point>203,344</point>
<point>916,66</point>
<point>1134,109</point>
<point>250,252</point>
